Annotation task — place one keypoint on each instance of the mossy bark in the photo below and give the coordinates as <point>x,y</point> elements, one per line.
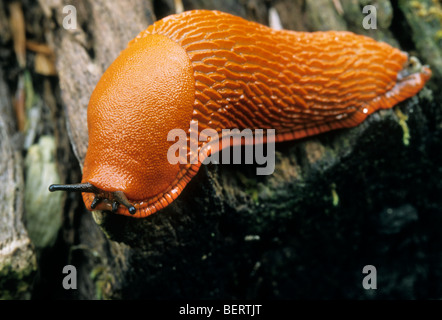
<point>17,256</point>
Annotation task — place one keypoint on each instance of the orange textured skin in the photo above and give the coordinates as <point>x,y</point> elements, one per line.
<point>138,100</point>
<point>240,75</point>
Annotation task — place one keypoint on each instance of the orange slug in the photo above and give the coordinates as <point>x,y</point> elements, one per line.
<point>222,72</point>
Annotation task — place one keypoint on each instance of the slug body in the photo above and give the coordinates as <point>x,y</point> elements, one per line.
<point>224,72</point>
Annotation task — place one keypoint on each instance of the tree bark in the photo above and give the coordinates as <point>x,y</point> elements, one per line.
<point>17,257</point>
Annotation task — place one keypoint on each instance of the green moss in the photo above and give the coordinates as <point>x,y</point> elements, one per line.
<point>16,284</point>
<point>335,196</point>
<point>425,20</point>
<point>251,187</point>
<point>103,282</point>
<point>403,123</point>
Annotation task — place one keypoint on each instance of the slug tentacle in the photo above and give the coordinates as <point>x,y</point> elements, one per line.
<point>95,202</point>
<point>76,187</point>
<point>120,197</point>
<point>115,205</point>
<point>101,200</point>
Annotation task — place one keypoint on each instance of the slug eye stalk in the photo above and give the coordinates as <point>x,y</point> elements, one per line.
<point>76,187</point>
<point>115,198</point>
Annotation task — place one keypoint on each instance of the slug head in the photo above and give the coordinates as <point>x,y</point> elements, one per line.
<point>146,92</point>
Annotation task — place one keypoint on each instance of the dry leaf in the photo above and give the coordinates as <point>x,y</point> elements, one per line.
<point>45,65</point>
<point>17,23</point>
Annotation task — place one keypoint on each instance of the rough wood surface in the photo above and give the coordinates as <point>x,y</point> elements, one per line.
<point>17,257</point>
